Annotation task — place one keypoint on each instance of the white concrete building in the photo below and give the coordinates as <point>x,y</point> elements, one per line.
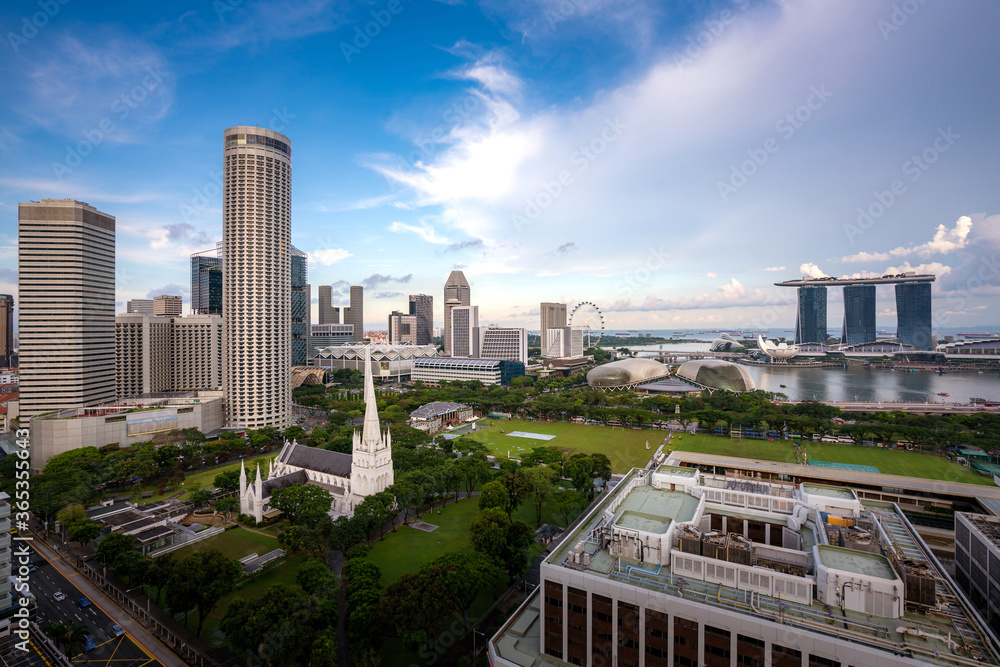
<point>197,353</point>
<point>256,282</point>
<point>142,354</point>
<point>676,567</point>
<point>464,321</point>
<point>495,342</point>
<point>563,342</point>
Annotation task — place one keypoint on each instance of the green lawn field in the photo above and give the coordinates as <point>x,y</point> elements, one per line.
<point>235,543</point>
<point>205,479</point>
<point>888,461</point>
<point>626,448</point>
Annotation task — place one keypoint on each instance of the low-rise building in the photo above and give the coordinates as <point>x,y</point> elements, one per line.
<point>124,422</point>
<point>387,361</point>
<point>487,371</point>
<point>436,416</point>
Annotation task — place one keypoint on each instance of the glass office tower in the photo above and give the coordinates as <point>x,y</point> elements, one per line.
<point>913,310</point>
<point>810,323</point>
<point>859,314</point>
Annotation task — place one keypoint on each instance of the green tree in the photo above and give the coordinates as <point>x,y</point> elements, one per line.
<point>303,503</point>
<point>228,481</point>
<point>199,580</point>
<point>541,486</point>
<point>324,650</point>
<point>567,505</point>
<point>494,495</point>
<point>493,533</point>
<point>276,627</point>
<point>201,497</point>
<point>160,570</point>
<point>417,604</point>
<point>228,507</point>
<point>473,470</point>
<point>314,576</point>
<point>465,575</point>
<point>112,547</point>
<point>85,531</point>
<point>68,636</point>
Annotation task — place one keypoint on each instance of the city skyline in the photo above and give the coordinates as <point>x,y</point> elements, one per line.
<point>490,152</point>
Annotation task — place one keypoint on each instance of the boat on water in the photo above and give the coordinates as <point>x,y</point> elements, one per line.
<point>942,393</point>
<point>783,386</point>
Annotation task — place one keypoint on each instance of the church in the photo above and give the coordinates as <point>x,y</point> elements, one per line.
<point>349,478</point>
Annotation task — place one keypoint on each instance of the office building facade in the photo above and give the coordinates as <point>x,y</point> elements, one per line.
<point>197,357</point>
<point>6,330</point>
<point>487,371</point>
<point>301,305</point>
<point>810,321</point>
<point>563,342</point>
<point>422,305</point>
<point>553,316</point>
<point>141,306</point>
<point>206,283</point>
<point>913,313</point>
<point>464,320</point>
<point>859,314</point>
<point>355,313</point>
<point>167,305</point>
<point>977,563</point>
<point>456,294</point>
<point>256,286</point>
<point>510,343</point>
<point>402,328</point>
<point>66,285</point>
<point>143,351</point>
<point>328,313</point>
<point>327,335</point>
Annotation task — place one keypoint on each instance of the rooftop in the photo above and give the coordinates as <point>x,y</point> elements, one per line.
<point>858,562</point>
<point>828,490</point>
<point>436,409</point>
<point>883,280</point>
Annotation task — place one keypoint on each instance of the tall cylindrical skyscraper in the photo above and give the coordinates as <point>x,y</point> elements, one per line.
<point>256,282</point>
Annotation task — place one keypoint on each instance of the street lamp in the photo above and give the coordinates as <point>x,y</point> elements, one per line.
<point>474,633</point>
<point>148,601</point>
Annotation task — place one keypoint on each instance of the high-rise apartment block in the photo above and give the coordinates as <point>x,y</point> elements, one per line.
<point>355,313</point>
<point>206,283</point>
<point>810,321</point>
<point>328,313</point>
<point>141,306</point>
<point>464,320</point>
<point>402,328</point>
<point>167,305</point>
<point>66,285</point>
<point>494,342</point>
<point>159,354</point>
<point>456,293</point>
<point>329,335</point>
<point>143,361</point>
<point>6,330</point>
<point>256,285</point>
<point>422,305</point>
<point>553,316</point>
<point>301,307</point>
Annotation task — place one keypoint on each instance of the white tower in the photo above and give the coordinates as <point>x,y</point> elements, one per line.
<point>371,468</point>
<point>256,283</point>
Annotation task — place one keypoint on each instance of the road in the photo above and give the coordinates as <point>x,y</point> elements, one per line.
<point>121,651</point>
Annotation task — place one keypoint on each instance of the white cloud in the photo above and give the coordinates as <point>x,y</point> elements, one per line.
<point>329,256</point>
<point>425,231</point>
<point>945,241</point>
<point>775,268</point>
<point>810,270</point>
<point>709,275</point>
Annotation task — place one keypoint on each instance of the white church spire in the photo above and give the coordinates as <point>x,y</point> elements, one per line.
<point>370,435</point>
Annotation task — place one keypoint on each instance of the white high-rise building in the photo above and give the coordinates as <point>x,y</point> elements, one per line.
<point>464,320</point>
<point>495,342</point>
<point>197,352</point>
<point>66,286</point>
<point>456,293</point>
<point>142,354</point>
<point>553,316</point>
<point>256,283</point>
<point>563,342</point>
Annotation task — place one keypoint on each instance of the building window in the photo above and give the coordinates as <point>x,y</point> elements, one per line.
<point>657,638</point>
<point>717,647</point>
<point>601,630</point>
<point>749,651</point>
<point>685,642</point>
<point>576,626</point>
<point>782,656</point>
<point>819,661</point>
<point>553,619</point>
<point>628,635</point>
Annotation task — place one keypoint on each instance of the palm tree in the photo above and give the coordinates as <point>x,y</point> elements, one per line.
<point>69,637</point>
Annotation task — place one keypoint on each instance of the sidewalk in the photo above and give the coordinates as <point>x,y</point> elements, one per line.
<point>153,647</point>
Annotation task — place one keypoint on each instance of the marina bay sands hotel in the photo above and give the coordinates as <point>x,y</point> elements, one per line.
<point>913,308</point>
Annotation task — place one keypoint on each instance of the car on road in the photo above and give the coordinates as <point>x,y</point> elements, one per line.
<point>32,567</point>
<point>117,630</point>
<point>83,602</point>
<point>89,644</point>
<point>59,596</point>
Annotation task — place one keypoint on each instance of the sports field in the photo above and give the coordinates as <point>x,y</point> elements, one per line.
<point>626,448</point>
<point>888,461</point>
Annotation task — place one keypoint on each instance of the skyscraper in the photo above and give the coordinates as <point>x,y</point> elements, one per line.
<point>493,342</point>
<point>66,285</point>
<point>810,322</point>
<point>301,307</point>
<point>859,314</point>
<point>355,314</point>
<point>456,293</point>
<point>422,305</point>
<point>206,283</point>
<point>141,306</point>
<point>464,322</point>
<point>256,286</point>
<point>167,305</point>
<point>553,316</point>
<point>6,330</point>
<point>913,311</point>
<point>328,313</point>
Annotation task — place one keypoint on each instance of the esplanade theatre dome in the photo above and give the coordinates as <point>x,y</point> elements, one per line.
<point>626,373</point>
<point>717,374</point>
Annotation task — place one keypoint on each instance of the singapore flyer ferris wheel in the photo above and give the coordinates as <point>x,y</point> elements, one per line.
<point>587,316</point>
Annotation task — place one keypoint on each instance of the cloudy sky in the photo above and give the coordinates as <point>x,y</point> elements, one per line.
<point>668,161</point>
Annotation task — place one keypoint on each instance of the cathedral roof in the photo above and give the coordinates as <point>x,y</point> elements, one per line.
<point>272,485</point>
<point>319,460</point>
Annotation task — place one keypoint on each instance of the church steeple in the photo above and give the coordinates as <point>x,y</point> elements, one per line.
<point>371,439</point>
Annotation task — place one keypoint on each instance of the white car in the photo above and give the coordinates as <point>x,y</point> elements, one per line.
<point>59,596</point>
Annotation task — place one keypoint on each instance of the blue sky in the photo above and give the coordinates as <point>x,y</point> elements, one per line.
<point>668,161</point>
